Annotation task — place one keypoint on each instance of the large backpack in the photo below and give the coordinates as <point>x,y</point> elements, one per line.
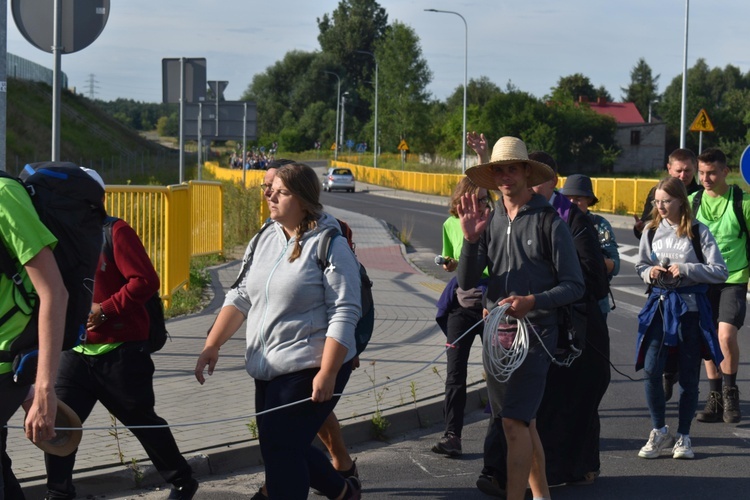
<point>366,323</point>
<point>71,205</point>
<point>157,329</point>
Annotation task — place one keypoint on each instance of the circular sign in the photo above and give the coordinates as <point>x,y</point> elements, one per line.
<point>82,21</point>
<point>745,164</point>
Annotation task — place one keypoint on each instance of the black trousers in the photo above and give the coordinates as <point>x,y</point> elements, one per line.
<point>460,319</point>
<point>123,381</point>
<point>11,397</point>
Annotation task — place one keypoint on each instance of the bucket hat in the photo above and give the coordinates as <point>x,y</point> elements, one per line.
<point>66,441</point>
<point>506,151</point>
<point>579,185</point>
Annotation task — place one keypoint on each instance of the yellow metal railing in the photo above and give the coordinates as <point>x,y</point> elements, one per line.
<point>174,223</point>
<point>253,180</point>
<point>622,196</point>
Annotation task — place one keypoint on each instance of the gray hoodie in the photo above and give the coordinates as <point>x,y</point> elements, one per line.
<point>679,250</point>
<point>291,307</point>
<point>513,252</point>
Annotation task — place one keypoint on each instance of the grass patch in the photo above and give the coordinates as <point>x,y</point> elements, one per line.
<point>193,299</point>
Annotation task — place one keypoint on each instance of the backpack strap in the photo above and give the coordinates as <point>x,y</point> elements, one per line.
<point>696,241</point>
<point>737,195</point>
<point>548,216</point>
<point>697,202</point>
<point>108,247</point>
<point>249,257</point>
<point>324,245</point>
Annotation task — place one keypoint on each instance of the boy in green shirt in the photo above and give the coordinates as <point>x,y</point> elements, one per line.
<point>728,300</point>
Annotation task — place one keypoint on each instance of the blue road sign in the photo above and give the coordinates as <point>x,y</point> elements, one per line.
<point>350,144</point>
<point>361,147</point>
<point>745,164</point>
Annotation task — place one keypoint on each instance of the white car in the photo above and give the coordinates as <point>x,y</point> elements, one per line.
<point>338,178</point>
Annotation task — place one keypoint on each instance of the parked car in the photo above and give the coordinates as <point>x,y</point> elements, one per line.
<point>338,178</point>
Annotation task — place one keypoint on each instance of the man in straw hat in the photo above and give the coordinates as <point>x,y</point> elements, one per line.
<point>533,285</point>
<point>29,243</point>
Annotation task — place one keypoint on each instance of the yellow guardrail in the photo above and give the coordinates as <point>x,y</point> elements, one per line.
<point>174,223</point>
<point>620,196</point>
<point>251,179</point>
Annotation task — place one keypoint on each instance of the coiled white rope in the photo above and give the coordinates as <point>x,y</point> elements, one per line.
<point>505,344</point>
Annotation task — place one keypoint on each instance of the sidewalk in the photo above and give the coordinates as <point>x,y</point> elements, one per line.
<point>210,421</point>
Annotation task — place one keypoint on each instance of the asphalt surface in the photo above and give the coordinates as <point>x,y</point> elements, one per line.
<point>406,339</point>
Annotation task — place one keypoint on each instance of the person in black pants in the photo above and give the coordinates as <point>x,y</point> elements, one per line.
<point>114,366</point>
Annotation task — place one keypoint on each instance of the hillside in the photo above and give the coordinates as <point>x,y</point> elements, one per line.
<point>88,137</point>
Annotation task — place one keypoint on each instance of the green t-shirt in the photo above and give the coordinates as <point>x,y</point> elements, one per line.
<point>24,235</point>
<point>453,240</point>
<point>718,214</point>
<point>96,349</point>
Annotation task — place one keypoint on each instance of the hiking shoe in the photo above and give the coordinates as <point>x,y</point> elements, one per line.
<point>450,445</point>
<point>669,380</point>
<point>489,485</point>
<point>731,401</point>
<point>714,410</point>
<point>184,492</point>
<point>657,441</point>
<point>351,472</point>
<point>682,448</point>
<point>354,489</point>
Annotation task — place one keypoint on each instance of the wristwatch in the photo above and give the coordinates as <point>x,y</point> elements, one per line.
<point>102,316</point>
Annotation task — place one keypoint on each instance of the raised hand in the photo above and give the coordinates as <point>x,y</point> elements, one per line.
<point>473,217</point>
<point>478,143</point>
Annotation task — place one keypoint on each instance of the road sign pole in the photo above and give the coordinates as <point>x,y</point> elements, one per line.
<point>57,80</point>
<point>700,142</point>
<point>182,118</point>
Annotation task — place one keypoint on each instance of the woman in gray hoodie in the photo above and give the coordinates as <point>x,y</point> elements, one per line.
<point>300,335</point>
<point>678,256</point>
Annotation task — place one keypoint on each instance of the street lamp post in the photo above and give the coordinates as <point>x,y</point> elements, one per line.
<point>466,78</point>
<point>375,146</point>
<point>343,113</point>
<point>338,104</point>
<point>683,106</point>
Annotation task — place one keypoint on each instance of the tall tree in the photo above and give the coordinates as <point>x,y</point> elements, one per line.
<point>403,79</point>
<point>479,92</point>
<point>355,25</point>
<point>643,88</point>
<point>573,87</point>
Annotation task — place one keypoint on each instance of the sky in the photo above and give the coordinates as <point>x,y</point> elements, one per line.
<point>531,43</point>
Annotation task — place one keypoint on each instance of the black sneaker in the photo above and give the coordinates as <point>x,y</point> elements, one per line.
<point>670,379</point>
<point>731,401</point>
<point>184,492</point>
<point>714,410</point>
<point>353,488</point>
<point>450,445</point>
<point>489,485</point>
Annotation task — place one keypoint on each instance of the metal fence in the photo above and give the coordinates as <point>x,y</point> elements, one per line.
<point>620,196</point>
<point>175,223</point>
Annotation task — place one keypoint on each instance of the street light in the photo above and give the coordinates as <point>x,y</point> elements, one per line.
<point>343,113</point>
<point>338,103</point>
<point>683,106</point>
<point>375,153</point>
<point>466,77</point>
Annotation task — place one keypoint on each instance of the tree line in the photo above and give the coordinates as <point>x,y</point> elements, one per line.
<point>297,98</point>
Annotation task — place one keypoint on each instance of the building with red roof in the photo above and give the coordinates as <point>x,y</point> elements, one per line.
<point>643,144</point>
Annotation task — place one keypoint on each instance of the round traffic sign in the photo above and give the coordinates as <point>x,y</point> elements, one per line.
<point>82,22</point>
<point>745,164</point>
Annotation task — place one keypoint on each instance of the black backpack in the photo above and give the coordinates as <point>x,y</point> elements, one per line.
<point>157,330</point>
<point>71,205</point>
<point>366,323</point>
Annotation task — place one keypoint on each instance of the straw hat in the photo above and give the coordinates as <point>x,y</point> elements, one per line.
<point>508,150</point>
<point>66,441</point>
<point>579,185</point>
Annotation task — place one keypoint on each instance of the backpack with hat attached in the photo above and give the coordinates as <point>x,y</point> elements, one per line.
<point>70,203</point>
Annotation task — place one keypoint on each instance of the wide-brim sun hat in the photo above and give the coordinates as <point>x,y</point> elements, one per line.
<point>66,441</point>
<point>579,185</point>
<point>506,151</point>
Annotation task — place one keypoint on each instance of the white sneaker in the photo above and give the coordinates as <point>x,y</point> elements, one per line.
<point>682,448</point>
<point>657,441</point>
